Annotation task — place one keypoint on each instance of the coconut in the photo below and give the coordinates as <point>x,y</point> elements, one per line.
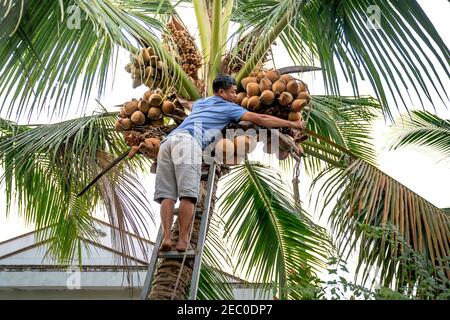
<point>224,149</point>
<point>260,75</point>
<point>128,67</point>
<point>286,78</point>
<point>136,82</point>
<point>267,97</point>
<point>304,95</point>
<point>118,126</point>
<point>130,107</point>
<point>293,87</point>
<point>144,56</point>
<point>298,105</point>
<point>160,65</point>
<point>125,123</point>
<point>244,144</point>
<point>294,116</point>
<point>272,75</point>
<point>278,86</point>
<point>150,51</point>
<point>147,95</point>
<point>167,107</point>
<point>154,60</point>
<point>285,99</point>
<point>148,72</point>
<point>253,103</point>
<point>144,106</point>
<point>252,89</point>
<point>122,113</point>
<point>239,97</point>
<point>265,84</point>
<point>138,118</point>
<point>154,113</point>
<point>247,80</point>
<point>244,102</point>
<point>155,99</point>
<point>302,87</point>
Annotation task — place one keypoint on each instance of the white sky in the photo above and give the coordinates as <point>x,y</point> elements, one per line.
<point>416,170</point>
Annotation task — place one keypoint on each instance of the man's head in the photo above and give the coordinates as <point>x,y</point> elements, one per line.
<point>224,86</point>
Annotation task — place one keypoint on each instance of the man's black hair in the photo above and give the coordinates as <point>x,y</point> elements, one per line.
<point>223,81</point>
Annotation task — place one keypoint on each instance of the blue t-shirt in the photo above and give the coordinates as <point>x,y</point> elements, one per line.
<point>208,118</point>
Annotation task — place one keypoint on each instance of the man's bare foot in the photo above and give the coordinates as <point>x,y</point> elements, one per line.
<point>166,245</point>
<point>182,245</point>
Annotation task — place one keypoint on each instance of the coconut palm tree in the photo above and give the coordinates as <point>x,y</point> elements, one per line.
<point>53,51</point>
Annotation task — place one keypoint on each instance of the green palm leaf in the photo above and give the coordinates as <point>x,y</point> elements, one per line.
<point>271,236</point>
<point>423,130</point>
<point>46,166</point>
<point>361,198</point>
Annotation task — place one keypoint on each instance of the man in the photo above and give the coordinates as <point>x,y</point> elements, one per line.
<point>179,159</point>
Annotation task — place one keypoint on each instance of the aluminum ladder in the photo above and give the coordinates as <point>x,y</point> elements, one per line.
<point>197,253</point>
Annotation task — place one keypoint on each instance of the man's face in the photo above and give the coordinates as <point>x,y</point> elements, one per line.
<point>229,94</point>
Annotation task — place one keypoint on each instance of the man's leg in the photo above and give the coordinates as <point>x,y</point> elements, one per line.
<point>166,211</point>
<point>187,206</point>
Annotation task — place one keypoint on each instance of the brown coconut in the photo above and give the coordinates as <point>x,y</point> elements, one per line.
<point>286,78</point>
<point>154,113</point>
<point>136,82</point>
<point>265,84</point>
<point>128,67</point>
<point>252,89</point>
<point>130,107</point>
<point>298,105</point>
<point>144,57</point>
<point>293,87</point>
<point>294,116</point>
<point>247,80</point>
<point>155,99</point>
<point>253,103</point>
<point>239,97</point>
<point>267,97</point>
<point>125,123</point>
<point>138,118</point>
<point>147,94</point>
<point>118,126</point>
<point>304,95</point>
<point>244,144</point>
<point>278,86</point>
<point>302,87</point>
<point>272,75</point>
<point>143,106</point>
<point>224,149</point>
<point>167,107</point>
<point>285,99</point>
<point>244,102</point>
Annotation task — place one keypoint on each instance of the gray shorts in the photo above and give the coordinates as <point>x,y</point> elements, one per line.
<point>178,169</point>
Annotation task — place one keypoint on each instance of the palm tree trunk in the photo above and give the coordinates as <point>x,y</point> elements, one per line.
<point>167,271</point>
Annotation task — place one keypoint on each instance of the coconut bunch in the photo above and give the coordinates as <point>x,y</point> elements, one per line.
<point>235,59</point>
<point>233,151</point>
<point>189,55</point>
<point>278,95</point>
<point>146,68</point>
<point>144,119</point>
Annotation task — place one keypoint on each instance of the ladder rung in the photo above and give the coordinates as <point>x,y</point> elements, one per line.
<point>176,254</point>
<point>198,212</point>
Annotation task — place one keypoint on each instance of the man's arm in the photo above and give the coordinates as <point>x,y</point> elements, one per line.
<point>269,121</point>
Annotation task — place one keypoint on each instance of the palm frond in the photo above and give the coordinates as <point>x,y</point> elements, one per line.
<point>45,167</point>
<point>53,57</point>
<point>423,130</point>
<point>337,33</point>
<point>362,197</point>
<point>270,235</point>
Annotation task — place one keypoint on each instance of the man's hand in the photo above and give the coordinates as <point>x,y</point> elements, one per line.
<point>299,124</point>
